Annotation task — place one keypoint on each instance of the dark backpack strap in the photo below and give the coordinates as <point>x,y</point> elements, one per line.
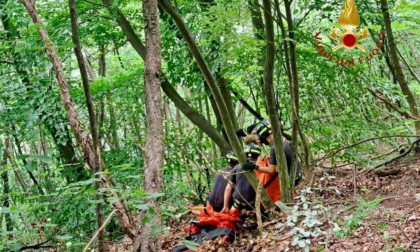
<point>267,184</point>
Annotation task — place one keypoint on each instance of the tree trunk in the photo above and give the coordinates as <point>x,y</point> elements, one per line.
<point>209,78</point>
<point>256,19</point>
<point>74,171</point>
<point>147,241</point>
<point>84,140</point>
<point>271,103</point>
<point>294,90</point>
<point>19,178</point>
<point>169,90</point>
<point>399,74</point>
<point>92,120</point>
<point>6,191</point>
<point>113,125</point>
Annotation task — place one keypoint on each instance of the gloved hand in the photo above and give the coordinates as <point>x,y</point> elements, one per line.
<point>248,166</point>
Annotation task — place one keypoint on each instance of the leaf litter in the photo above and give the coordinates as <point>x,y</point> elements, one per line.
<point>380,213</point>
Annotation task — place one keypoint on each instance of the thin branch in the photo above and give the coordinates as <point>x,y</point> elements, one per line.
<point>7,62</point>
<point>409,67</point>
<point>100,229</point>
<point>97,4</point>
<point>328,116</point>
<point>247,106</point>
<point>360,142</point>
<point>41,244</point>
<point>304,16</point>
<point>35,246</point>
<point>389,103</point>
<point>405,153</point>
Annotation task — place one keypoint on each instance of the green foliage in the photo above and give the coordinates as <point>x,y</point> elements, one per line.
<point>336,110</point>
<point>305,220</point>
<point>353,221</point>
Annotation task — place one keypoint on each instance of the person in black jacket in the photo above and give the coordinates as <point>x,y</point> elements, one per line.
<point>239,189</point>
<point>220,181</point>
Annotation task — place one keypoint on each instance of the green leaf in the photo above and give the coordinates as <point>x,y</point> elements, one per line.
<point>31,165</point>
<point>142,207</point>
<point>156,230</point>
<point>191,245</point>
<point>155,195</point>
<point>146,220</point>
<point>5,210</point>
<point>44,158</point>
<point>64,237</point>
<point>22,156</point>
<point>301,243</point>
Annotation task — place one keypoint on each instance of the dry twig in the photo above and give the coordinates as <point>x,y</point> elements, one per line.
<point>99,230</point>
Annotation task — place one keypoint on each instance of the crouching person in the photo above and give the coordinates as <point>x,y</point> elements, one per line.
<point>216,196</point>
<point>238,188</point>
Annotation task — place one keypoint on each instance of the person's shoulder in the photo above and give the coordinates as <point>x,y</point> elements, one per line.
<point>287,144</point>
<point>227,169</point>
<point>237,168</point>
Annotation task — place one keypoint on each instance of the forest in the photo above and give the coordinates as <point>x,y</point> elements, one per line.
<point>117,115</point>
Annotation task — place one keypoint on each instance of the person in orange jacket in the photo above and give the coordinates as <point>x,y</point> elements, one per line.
<point>244,195</point>
<point>265,136</point>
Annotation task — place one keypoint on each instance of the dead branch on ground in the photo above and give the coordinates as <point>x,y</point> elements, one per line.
<point>405,153</point>
<point>360,142</point>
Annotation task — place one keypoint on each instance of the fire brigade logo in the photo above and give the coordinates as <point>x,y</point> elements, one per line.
<point>348,39</point>
<point>349,19</point>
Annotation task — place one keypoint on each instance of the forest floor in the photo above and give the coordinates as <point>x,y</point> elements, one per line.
<point>375,212</point>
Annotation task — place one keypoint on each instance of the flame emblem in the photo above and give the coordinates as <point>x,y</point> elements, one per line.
<point>349,19</point>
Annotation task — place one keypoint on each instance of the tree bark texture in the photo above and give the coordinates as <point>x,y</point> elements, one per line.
<point>169,90</point>
<point>154,148</point>
<point>399,74</point>
<point>84,140</point>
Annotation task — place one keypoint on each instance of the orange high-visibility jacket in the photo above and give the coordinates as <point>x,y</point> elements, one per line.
<point>273,189</point>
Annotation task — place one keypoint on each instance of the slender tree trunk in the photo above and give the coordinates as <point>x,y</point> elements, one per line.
<point>6,191</point>
<point>19,178</point>
<point>172,94</point>
<point>146,241</point>
<point>168,117</point>
<point>259,33</point>
<point>179,122</point>
<point>113,125</point>
<point>101,106</point>
<point>92,120</point>
<point>294,90</point>
<point>88,64</point>
<point>256,18</point>
<point>224,90</point>
<point>271,103</point>
<point>84,141</point>
<point>399,74</point>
